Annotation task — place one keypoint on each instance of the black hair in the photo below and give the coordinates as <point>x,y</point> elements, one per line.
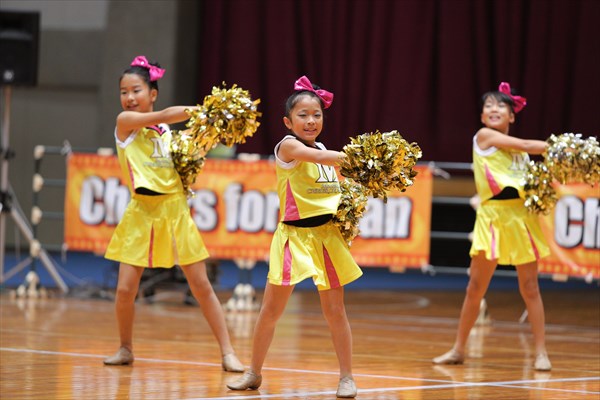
<point>293,99</point>
<point>500,98</point>
<point>144,73</point>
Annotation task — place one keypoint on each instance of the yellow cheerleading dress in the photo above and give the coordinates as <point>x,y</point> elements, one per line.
<point>155,230</point>
<point>307,190</point>
<point>504,229</point>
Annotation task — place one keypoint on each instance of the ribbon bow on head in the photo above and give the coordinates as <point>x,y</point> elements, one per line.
<point>519,102</point>
<point>155,72</point>
<point>304,84</point>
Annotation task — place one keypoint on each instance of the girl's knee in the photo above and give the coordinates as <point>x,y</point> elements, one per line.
<point>200,285</point>
<point>126,293</point>
<point>272,309</point>
<point>197,278</point>
<point>270,315</point>
<point>334,311</point>
<point>529,289</point>
<point>475,290</point>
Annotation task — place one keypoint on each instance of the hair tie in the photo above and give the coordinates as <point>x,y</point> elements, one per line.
<point>304,84</point>
<point>155,72</point>
<point>519,102</point>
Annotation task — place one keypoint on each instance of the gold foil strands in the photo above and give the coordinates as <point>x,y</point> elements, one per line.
<point>353,203</point>
<point>227,116</point>
<point>568,159</point>
<point>187,157</point>
<point>540,196</point>
<point>380,162</point>
<point>375,163</point>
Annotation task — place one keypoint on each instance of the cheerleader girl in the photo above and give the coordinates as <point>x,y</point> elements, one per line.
<point>306,243</point>
<point>505,232</point>
<point>156,229</point>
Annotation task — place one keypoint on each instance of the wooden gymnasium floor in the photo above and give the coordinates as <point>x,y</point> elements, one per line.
<point>53,349</point>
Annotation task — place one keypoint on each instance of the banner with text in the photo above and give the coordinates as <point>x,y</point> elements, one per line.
<point>95,200</point>
<point>573,232</point>
<point>396,233</point>
<point>236,209</point>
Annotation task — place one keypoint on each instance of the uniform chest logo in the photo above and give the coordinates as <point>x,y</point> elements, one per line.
<point>519,161</point>
<point>326,174</point>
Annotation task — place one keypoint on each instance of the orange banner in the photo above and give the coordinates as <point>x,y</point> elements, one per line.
<point>95,200</point>
<point>573,232</point>
<point>236,209</point>
<point>396,233</point>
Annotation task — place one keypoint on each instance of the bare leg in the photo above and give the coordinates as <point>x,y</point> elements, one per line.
<point>332,304</point>
<point>481,272</point>
<point>127,289</point>
<point>530,291</point>
<point>273,305</point>
<point>209,304</point>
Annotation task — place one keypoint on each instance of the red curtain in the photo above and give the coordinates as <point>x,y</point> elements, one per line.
<point>417,66</point>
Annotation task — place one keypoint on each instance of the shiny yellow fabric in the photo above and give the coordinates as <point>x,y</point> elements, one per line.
<point>145,161</point>
<point>306,189</point>
<point>506,231</point>
<point>308,258</point>
<point>495,169</point>
<point>157,231</point>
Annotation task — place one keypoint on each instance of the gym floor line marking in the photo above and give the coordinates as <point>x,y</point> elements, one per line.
<point>517,384</point>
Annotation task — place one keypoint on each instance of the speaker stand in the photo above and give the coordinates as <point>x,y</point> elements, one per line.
<point>9,206</point>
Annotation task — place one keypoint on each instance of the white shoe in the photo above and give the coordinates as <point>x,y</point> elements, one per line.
<point>231,363</point>
<point>346,388</point>
<point>248,381</point>
<point>123,356</point>
<point>451,357</point>
<point>542,363</point>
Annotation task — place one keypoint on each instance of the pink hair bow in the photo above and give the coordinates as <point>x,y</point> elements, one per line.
<point>304,84</point>
<point>519,102</point>
<point>155,72</point>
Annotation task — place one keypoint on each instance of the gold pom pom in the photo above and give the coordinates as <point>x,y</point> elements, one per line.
<point>380,162</point>
<point>374,164</point>
<point>567,159</point>
<point>352,206</point>
<point>571,159</point>
<point>540,196</point>
<point>228,116</point>
<point>187,157</point>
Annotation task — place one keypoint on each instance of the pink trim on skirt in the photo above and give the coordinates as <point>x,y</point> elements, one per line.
<point>287,265</point>
<point>334,281</point>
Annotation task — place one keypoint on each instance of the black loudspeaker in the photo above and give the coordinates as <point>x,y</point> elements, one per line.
<point>19,35</point>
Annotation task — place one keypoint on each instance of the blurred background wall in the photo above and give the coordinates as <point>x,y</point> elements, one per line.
<point>84,45</point>
<point>419,66</point>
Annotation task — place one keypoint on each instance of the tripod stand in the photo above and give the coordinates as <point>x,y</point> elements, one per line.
<point>9,205</point>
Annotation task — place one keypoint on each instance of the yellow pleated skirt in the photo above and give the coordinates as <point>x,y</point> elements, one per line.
<point>507,232</point>
<point>157,231</point>
<point>319,253</point>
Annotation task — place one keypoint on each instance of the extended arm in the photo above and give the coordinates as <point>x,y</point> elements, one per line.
<point>487,138</point>
<point>128,121</point>
<point>294,150</point>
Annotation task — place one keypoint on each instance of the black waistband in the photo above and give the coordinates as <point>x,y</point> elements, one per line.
<point>508,193</point>
<point>147,192</point>
<point>310,222</point>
